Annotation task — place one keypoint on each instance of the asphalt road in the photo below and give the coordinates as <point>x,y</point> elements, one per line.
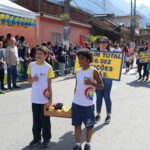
<point>129,129</point>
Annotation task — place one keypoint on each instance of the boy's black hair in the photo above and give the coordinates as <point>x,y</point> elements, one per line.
<point>87,53</point>
<point>42,49</point>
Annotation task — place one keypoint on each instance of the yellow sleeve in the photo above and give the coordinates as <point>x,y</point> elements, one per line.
<point>50,73</point>
<point>29,70</point>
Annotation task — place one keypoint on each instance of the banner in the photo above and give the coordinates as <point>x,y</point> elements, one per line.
<point>109,64</point>
<point>11,20</point>
<point>144,57</point>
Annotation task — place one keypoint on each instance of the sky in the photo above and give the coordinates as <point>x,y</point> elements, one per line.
<point>140,2</point>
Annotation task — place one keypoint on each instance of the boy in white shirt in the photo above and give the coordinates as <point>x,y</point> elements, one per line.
<point>40,75</point>
<point>87,81</point>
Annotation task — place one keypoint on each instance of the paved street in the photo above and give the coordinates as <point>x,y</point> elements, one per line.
<point>129,129</point>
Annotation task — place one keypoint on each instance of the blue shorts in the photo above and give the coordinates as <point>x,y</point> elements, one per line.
<point>83,114</point>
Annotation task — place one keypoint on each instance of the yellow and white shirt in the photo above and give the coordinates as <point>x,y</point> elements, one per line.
<point>84,93</point>
<point>40,94</point>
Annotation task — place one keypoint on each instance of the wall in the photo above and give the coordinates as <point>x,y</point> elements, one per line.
<point>76,31</point>
<point>45,27</point>
<point>29,32</point>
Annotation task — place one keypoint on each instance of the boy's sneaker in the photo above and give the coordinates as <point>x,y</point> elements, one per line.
<point>77,147</point>
<point>35,143</point>
<point>46,143</point>
<point>107,120</point>
<point>87,147</point>
<point>97,118</point>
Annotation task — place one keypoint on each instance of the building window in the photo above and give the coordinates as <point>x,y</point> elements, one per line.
<point>56,37</point>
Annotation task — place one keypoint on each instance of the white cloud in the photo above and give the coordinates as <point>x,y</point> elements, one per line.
<point>139,2</point>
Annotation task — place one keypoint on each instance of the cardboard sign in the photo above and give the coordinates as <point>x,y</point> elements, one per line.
<point>109,64</point>
<point>144,57</point>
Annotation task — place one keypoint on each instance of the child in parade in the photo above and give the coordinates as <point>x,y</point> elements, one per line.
<point>40,75</point>
<point>128,61</point>
<point>87,80</point>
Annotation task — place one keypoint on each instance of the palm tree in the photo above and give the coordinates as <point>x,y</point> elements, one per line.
<point>92,38</point>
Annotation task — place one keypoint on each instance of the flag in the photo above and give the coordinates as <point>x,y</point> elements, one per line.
<point>81,42</point>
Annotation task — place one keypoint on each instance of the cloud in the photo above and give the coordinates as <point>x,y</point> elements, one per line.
<point>140,2</point>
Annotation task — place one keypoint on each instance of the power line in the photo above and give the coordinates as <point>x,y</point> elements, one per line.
<point>97,4</point>
<point>104,6</point>
<point>77,5</point>
<point>116,7</point>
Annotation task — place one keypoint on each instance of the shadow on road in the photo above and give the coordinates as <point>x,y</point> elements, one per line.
<point>66,142</point>
<point>38,148</point>
<point>23,86</point>
<point>137,84</point>
<point>66,78</point>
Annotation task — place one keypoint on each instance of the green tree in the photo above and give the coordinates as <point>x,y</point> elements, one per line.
<point>93,38</point>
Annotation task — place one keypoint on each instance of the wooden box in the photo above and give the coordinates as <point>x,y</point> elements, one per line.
<point>57,114</point>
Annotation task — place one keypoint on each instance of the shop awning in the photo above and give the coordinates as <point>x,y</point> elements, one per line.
<point>11,8</point>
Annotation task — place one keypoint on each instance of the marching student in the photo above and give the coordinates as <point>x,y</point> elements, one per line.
<point>40,75</point>
<point>87,80</point>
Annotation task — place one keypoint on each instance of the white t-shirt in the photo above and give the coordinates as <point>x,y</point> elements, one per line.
<point>84,93</point>
<point>40,94</point>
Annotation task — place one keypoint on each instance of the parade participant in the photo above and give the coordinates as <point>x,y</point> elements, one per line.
<point>12,61</point>
<point>87,80</point>
<point>40,75</point>
<point>148,69</point>
<point>117,48</point>
<point>142,65</point>
<point>131,52</point>
<point>105,93</point>
<point>128,59</point>
<point>2,63</point>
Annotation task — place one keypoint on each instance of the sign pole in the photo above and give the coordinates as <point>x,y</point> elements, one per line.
<point>66,36</point>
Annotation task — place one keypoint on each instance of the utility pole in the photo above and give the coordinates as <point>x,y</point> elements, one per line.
<point>67,24</point>
<point>133,22</point>
<point>104,6</point>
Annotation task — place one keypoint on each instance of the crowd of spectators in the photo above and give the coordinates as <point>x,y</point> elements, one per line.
<point>15,51</point>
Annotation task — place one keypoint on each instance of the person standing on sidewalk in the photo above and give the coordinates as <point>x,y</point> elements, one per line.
<point>2,73</point>
<point>105,93</point>
<point>12,60</point>
<point>61,60</point>
<point>7,40</point>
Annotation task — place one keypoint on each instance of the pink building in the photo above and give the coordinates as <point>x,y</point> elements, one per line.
<point>49,25</point>
<point>51,29</point>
